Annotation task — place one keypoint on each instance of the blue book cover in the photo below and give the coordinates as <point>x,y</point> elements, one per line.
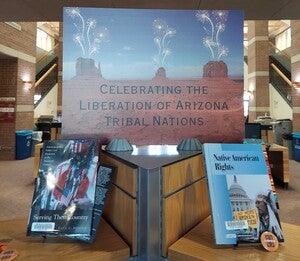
<point>242,202</point>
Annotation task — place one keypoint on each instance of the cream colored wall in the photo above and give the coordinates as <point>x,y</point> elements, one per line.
<point>48,106</point>
<point>279,109</point>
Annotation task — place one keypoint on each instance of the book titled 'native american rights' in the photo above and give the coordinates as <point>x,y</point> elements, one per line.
<point>241,197</point>
<point>68,182</point>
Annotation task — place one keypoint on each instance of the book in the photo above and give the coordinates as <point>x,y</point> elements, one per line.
<point>270,176</point>
<point>104,180</point>
<point>64,195</point>
<point>265,149</point>
<point>241,197</point>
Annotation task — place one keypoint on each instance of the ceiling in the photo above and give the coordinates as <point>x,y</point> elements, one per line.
<point>51,10</point>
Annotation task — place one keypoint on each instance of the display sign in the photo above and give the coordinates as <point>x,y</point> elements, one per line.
<point>7,109</point>
<point>153,76</point>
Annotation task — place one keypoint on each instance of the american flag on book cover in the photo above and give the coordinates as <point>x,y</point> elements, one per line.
<point>66,197</point>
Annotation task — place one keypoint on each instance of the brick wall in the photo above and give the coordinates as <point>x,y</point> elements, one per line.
<point>22,41</point>
<point>8,83</point>
<point>8,77</point>
<point>17,65</point>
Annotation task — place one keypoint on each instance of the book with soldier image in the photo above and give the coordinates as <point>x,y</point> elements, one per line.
<point>104,180</point>
<point>242,201</point>
<point>64,195</point>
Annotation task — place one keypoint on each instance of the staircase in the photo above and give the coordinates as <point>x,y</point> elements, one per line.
<point>46,73</point>
<point>280,73</point>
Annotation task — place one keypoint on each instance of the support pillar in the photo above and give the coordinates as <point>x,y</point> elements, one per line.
<point>258,69</point>
<point>295,70</point>
<point>17,77</point>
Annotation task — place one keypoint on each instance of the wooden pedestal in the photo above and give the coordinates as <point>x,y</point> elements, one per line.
<point>185,199</point>
<point>121,205</point>
<point>153,205</point>
<point>107,247</point>
<point>198,244</point>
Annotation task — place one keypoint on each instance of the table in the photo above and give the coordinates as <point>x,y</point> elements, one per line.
<point>279,163</point>
<point>198,244</point>
<point>108,245</point>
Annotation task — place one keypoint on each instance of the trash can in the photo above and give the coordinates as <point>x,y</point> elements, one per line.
<point>23,144</point>
<point>36,138</point>
<point>296,145</point>
<point>287,140</point>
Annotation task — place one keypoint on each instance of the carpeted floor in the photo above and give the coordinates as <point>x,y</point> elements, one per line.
<point>289,199</point>
<point>16,188</point>
<point>17,185</point>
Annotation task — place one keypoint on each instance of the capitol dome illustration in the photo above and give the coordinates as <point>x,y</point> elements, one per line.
<point>238,197</point>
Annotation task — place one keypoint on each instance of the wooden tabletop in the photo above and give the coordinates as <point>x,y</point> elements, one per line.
<point>199,244</point>
<point>107,246</point>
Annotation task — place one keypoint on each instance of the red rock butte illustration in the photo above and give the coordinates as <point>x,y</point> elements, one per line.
<point>86,66</point>
<point>215,69</point>
<point>160,73</point>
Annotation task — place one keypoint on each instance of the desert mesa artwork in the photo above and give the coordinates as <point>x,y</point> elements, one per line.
<point>153,76</point>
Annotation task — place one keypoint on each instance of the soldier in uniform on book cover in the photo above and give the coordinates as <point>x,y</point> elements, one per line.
<point>69,181</point>
<point>72,178</point>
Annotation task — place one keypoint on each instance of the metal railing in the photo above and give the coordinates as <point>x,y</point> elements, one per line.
<point>280,73</point>
<point>46,74</point>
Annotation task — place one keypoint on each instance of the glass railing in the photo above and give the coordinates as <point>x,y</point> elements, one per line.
<point>45,82</point>
<point>280,58</point>
<point>281,83</point>
<point>46,73</point>
<point>46,60</point>
<point>279,72</point>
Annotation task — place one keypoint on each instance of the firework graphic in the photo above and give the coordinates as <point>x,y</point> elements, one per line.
<point>162,33</point>
<point>88,36</point>
<point>214,25</point>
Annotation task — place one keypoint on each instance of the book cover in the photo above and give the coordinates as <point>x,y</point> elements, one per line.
<point>64,196</point>
<point>241,196</point>
<point>104,180</point>
<point>270,176</point>
<point>265,149</point>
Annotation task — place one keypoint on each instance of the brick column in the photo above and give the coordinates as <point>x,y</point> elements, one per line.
<point>258,68</point>
<point>295,65</point>
<point>17,64</point>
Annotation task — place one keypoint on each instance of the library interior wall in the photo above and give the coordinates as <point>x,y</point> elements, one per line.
<point>48,106</point>
<point>279,109</point>
<point>17,63</point>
